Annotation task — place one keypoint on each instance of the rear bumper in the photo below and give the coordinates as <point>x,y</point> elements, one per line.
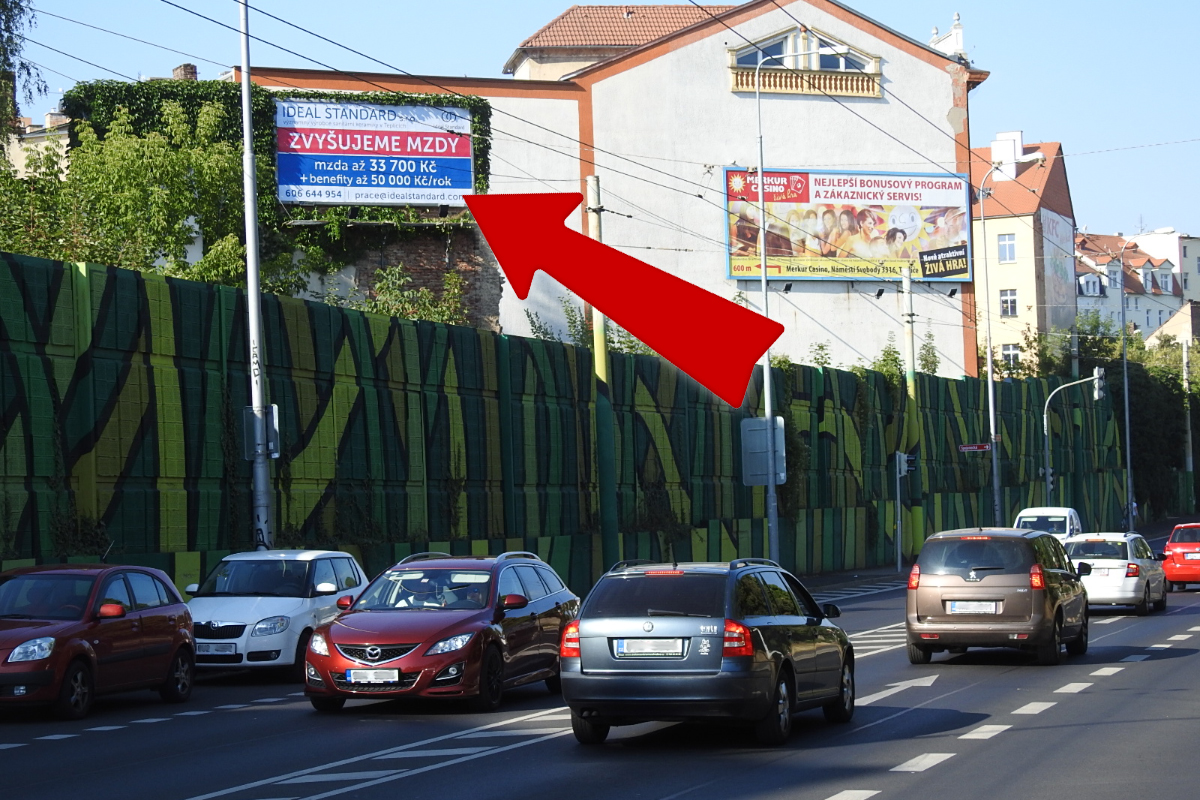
<point>1182,573</point>
<point>1126,592</point>
<point>737,693</point>
<point>1037,631</point>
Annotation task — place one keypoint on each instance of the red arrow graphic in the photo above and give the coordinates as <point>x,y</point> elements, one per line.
<point>714,340</point>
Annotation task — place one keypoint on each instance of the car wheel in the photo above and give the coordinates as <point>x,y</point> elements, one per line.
<point>776,726</point>
<point>327,705</point>
<point>1170,586</point>
<point>77,692</point>
<point>554,684</point>
<point>1143,607</point>
<point>1050,653</point>
<point>587,731</point>
<point>1161,603</point>
<point>180,677</point>
<point>295,672</point>
<point>918,654</point>
<point>1079,645</point>
<point>491,682</point>
<point>842,709</point>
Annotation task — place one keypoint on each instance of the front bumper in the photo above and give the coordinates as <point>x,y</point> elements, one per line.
<point>36,685</point>
<point>276,650</point>
<point>418,675</point>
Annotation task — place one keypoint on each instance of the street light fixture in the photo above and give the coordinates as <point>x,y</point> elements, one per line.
<point>768,404</point>
<point>1026,158</point>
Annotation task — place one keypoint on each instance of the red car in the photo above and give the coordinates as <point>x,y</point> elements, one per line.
<point>437,625</point>
<point>1182,551</point>
<point>68,633</point>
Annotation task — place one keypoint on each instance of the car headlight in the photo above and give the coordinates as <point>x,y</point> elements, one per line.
<point>318,645</point>
<point>450,645</point>
<point>33,650</point>
<point>270,626</point>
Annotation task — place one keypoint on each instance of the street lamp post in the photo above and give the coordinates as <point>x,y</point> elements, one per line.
<point>1125,394</point>
<point>993,440</point>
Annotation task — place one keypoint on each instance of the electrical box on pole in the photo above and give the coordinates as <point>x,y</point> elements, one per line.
<point>755,455</point>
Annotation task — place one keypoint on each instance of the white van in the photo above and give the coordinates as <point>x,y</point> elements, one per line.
<point>1059,521</point>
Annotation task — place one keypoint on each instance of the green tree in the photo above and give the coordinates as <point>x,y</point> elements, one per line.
<point>889,361</point>
<point>927,357</point>
<point>818,354</point>
<point>16,17</point>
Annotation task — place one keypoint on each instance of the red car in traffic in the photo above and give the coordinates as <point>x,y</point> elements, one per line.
<point>68,633</point>
<point>437,625</point>
<point>1182,551</point>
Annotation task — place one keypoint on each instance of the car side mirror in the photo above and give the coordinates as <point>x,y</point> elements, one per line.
<point>1160,556</point>
<point>1084,568</point>
<point>191,588</point>
<point>831,611</point>
<point>326,588</point>
<point>111,611</point>
<point>511,602</point>
<point>345,602</point>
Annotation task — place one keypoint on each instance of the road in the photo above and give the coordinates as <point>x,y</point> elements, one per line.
<point>1110,724</point>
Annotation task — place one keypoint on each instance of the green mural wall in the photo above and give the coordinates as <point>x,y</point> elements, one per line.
<point>120,421</point>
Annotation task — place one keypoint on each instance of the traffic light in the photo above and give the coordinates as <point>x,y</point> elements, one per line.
<point>1098,383</point>
<point>1050,482</point>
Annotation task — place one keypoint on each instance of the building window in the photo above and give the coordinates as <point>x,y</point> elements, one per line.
<point>1147,319</point>
<point>1160,318</point>
<point>1185,251</point>
<point>1185,286</point>
<point>832,58</point>
<point>1006,243</point>
<point>1008,303</point>
<point>750,56</point>
<point>1011,354</point>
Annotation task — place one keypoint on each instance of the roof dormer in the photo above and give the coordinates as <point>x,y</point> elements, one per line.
<point>805,61</point>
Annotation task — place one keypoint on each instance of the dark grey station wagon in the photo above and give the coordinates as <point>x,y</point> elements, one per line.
<point>742,641</point>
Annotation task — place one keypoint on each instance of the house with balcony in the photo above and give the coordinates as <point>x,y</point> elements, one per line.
<point>1112,269</point>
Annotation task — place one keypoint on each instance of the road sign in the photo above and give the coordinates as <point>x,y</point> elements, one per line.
<point>973,448</point>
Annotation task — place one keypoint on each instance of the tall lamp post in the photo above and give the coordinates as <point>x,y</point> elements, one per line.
<point>1125,394</point>
<point>768,403</point>
<point>997,519</point>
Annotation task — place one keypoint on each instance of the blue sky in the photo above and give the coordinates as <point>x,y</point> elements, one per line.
<point>1092,75</point>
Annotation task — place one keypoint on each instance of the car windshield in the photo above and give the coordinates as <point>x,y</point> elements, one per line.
<point>640,595</point>
<point>983,555</point>
<point>427,589</point>
<point>257,578</point>
<point>42,596</point>
<point>1055,524</point>
<point>1185,536</point>
<point>1098,548</point>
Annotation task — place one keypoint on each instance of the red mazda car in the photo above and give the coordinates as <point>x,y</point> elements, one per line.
<point>68,633</point>
<point>437,625</point>
<point>1182,557</point>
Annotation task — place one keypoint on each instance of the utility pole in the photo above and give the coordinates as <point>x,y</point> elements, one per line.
<point>1187,402</point>
<point>599,321</point>
<point>910,336</point>
<point>261,469</point>
<point>606,457</point>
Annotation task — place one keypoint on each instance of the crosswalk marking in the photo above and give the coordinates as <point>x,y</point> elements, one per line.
<point>985,731</point>
<point>922,762</point>
<point>879,640</point>
<point>858,591</point>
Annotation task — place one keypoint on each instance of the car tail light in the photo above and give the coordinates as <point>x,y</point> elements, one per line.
<point>1132,570</point>
<point>1036,579</point>
<point>663,572</point>
<point>737,640</point>
<point>570,641</point>
<point>914,577</point>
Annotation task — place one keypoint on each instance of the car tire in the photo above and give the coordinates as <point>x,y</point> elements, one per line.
<point>1079,645</point>
<point>181,677</point>
<point>554,684</point>
<point>295,672</point>
<point>841,710</point>
<point>491,683</point>
<point>918,654</point>
<point>1161,603</point>
<point>588,732</point>
<point>1143,608</point>
<point>775,728</point>
<point>77,692</point>
<point>1050,653</point>
<point>327,705</point>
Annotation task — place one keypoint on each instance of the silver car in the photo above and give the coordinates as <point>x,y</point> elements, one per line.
<point>1125,571</point>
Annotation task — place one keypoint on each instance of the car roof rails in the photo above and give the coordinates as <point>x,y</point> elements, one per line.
<point>738,563</point>
<point>631,562</point>
<point>424,557</point>
<point>518,554</point>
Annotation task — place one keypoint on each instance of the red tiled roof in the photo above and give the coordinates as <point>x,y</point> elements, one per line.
<point>618,26</point>
<point>1014,198</point>
<point>1102,250</point>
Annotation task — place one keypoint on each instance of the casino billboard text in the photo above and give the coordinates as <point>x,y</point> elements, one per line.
<point>849,226</point>
<point>345,153</point>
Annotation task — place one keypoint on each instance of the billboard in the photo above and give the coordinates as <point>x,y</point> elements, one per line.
<point>1058,266</point>
<point>341,153</point>
<point>849,226</point>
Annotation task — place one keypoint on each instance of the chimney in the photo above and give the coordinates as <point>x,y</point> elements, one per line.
<point>184,72</point>
<point>1005,149</point>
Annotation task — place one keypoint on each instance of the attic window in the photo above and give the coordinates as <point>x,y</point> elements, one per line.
<point>831,57</point>
<point>751,55</point>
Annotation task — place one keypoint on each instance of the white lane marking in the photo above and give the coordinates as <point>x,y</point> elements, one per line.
<point>879,640</point>
<point>1135,658</point>
<point>1106,620</point>
<point>192,713</point>
<point>1197,628</point>
<point>109,728</point>
<point>896,688</point>
<point>148,720</point>
<point>450,751</point>
<point>1104,672</point>
<point>922,762</point>
<point>853,794</point>
<point>846,594</point>
<point>1158,646</point>
<point>235,705</point>
<point>521,732</point>
<point>1073,688</point>
<point>296,694</point>
<point>377,753</point>
<point>270,700</point>
<point>10,746</point>
<point>330,777</point>
<point>1033,708</point>
<point>554,717</point>
<point>1182,637</point>
<point>985,731</point>
<point>56,736</point>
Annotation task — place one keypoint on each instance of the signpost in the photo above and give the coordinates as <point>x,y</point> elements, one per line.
<point>974,448</point>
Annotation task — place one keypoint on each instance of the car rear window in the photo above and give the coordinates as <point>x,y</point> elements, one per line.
<point>1185,535</point>
<point>1098,549</point>
<point>1049,524</point>
<point>640,595</point>
<point>994,556</point>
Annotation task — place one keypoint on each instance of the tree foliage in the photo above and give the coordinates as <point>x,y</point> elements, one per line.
<point>928,360</point>
<point>17,76</point>
<point>579,331</point>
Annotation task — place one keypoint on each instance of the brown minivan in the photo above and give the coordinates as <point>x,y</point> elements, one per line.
<point>995,587</point>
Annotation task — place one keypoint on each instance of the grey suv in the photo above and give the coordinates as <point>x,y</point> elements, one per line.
<point>742,641</point>
<point>996,587</point>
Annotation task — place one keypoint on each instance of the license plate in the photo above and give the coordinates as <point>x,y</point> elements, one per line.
<point>1192,556</point>
<point>649,647</point>
<point>1101,571</point>
<point>215,649</point>
<point>373,675</point>
<point>972,607</point>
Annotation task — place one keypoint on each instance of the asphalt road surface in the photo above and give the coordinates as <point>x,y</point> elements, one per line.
<point>1118,722</point>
